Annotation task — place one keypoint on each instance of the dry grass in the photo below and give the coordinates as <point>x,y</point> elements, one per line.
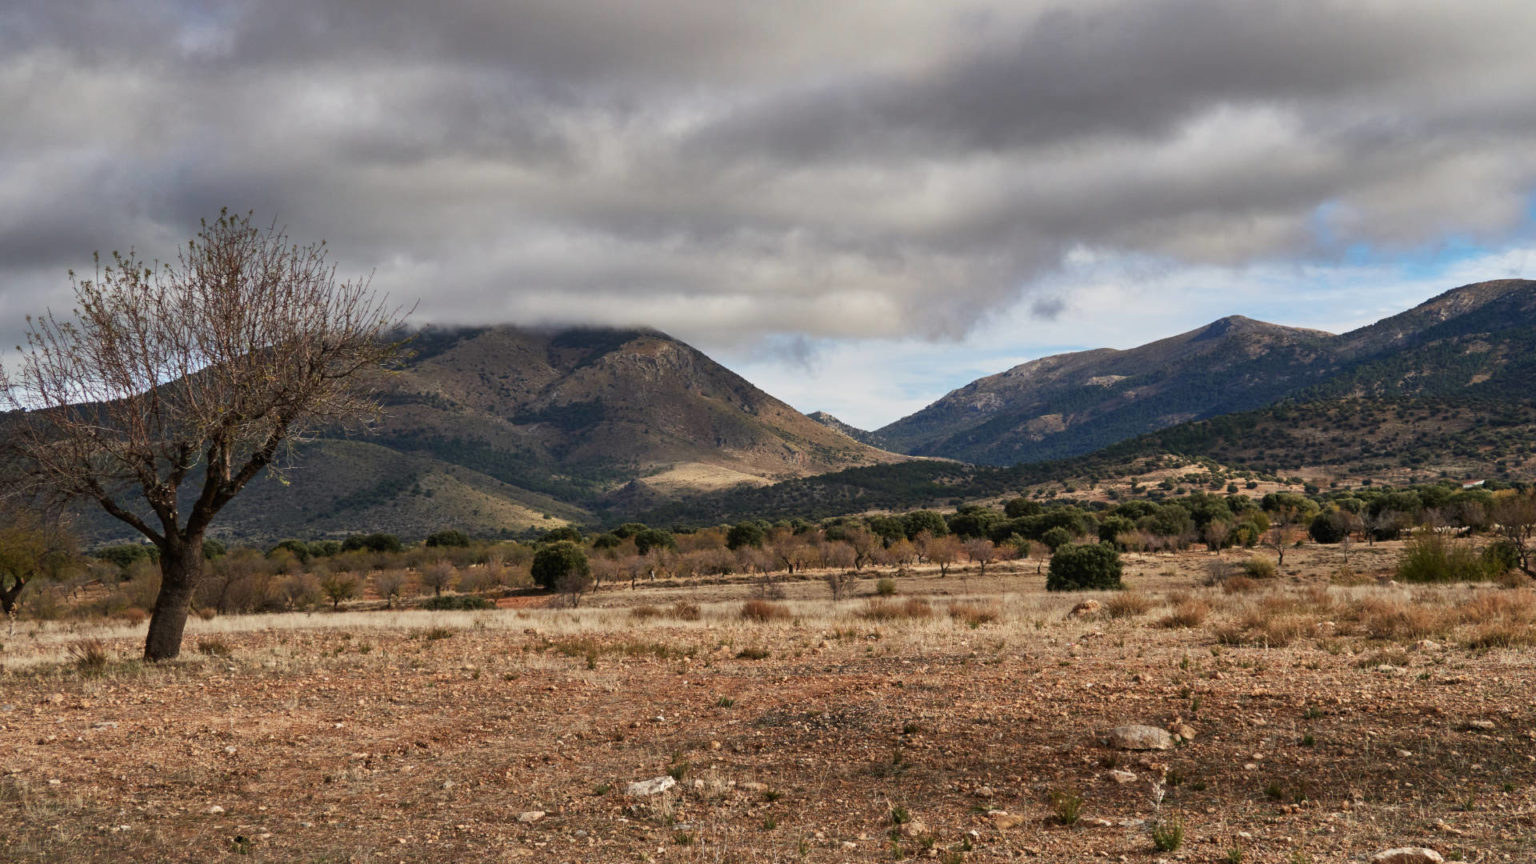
<point>975,614</point>
<point>1128,604</point>
<point>557,709</point>
<point>1187,612</point>
<point>764,610</point>
<point>894,610</point>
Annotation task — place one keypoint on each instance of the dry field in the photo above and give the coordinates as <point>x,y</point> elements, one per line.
<point>959,720</point>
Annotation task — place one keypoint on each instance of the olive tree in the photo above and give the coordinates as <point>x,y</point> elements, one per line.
<point>200,373</point>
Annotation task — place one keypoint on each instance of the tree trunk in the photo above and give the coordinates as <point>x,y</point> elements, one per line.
<point>181,564</point>
<point>10,595</point>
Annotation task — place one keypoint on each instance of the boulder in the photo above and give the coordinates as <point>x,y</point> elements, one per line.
<point>1408,855</point>
<point>646,788</point>
<point>1137,737</point>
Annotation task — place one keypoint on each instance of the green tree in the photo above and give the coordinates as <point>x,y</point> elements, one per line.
<point>745,534</point>
<point>919,521</point>
<point>448,538</point>
<point>554,563</point>
<point>1084,568</point>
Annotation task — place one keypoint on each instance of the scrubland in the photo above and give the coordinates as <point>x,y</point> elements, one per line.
<point>1323,714</point>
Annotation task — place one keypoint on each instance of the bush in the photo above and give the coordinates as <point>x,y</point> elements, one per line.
<point>1327,528</point>
<point>1433,558</point>
<point>1259,567</point>
<point>1501,557</point>
<point>1084,568</point>
<point>1056,538</point>
<point>1128,605</point>
<point>448,538</point>
<point>763,610</point>
<point>840,582</point>
<point>885,587</point>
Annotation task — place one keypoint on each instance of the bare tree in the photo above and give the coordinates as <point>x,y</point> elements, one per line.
<point>201,372</point>
<point>1516,519</point>
<point>32,544</point>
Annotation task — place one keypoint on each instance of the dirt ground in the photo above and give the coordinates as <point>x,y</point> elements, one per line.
<point>1325,722</point>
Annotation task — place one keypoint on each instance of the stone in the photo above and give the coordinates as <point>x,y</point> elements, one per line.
<point>1122,777</point>
<point>1485,725</point>
<point>914,828</point>
<point>530,816</point>
<point>1002,820</point>
<point>983,792</point>
<point>1185,731</point>
<point>1137,737</point>
<point>1408,855</point>
<point>214,810</point>
<point>646,788</point>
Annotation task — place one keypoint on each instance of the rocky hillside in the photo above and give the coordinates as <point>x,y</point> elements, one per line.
<point>504,429</point>
<point>1476,336</point>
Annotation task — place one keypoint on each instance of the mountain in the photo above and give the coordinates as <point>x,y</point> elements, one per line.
<point>863,436</point>
<point>1477,336</point>
<point>1075,403</point>
<point>504,429</point>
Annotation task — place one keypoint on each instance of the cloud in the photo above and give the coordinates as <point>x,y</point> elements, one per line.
<point>764,174</point>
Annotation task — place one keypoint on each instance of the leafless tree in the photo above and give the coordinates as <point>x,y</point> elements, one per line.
<point>32,544</point>
<point>1516,517</point>
<point>202,372</point>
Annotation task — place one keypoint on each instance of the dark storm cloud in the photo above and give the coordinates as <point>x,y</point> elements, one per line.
<point>730,169</point>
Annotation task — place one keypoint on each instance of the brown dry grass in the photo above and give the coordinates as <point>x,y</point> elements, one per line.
<point>1323,731</point>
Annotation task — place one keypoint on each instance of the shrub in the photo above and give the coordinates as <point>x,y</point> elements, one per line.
<point>885,587</point>
<point>213,646</point>
<point>447,538</point>
<point>1168,832</point>
<point>1500,557</point>
<point>1327,528</point>
<point>89,656</point>
<point>1187,612</point>
<point>1066,806</point>
<point>1239,585</point>
<point>1128,605</point>
<point>683,610</point>
<point>974,614</point>
<point>764,610</point>
<point>1433,558</point>
<point>840,582</point>
<point>1259,567</point>
<point>1084,568</point>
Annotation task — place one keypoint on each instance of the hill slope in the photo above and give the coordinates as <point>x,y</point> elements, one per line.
<point>501,429</point>
<point>1475,336</point>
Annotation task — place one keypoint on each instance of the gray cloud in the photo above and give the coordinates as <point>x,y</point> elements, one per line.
<point>730,170</point>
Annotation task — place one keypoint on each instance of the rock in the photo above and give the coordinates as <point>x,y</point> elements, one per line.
<point>1087,607</point>
<point>983,792</point>
<point>1184,731</point>
<point>1427,645</point>
<point>214,810</point>
<point>1122,777</point>
<point>1002,820</point>
<point>645,788</point>
<point>849,845</point>
<point>1136,737</point>
<point>914,828</point>
<point>530,816</point>
<point>1484,725</point>
<point>1408,855</point>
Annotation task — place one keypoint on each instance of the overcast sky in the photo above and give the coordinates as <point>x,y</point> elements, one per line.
<point>857,205</point>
